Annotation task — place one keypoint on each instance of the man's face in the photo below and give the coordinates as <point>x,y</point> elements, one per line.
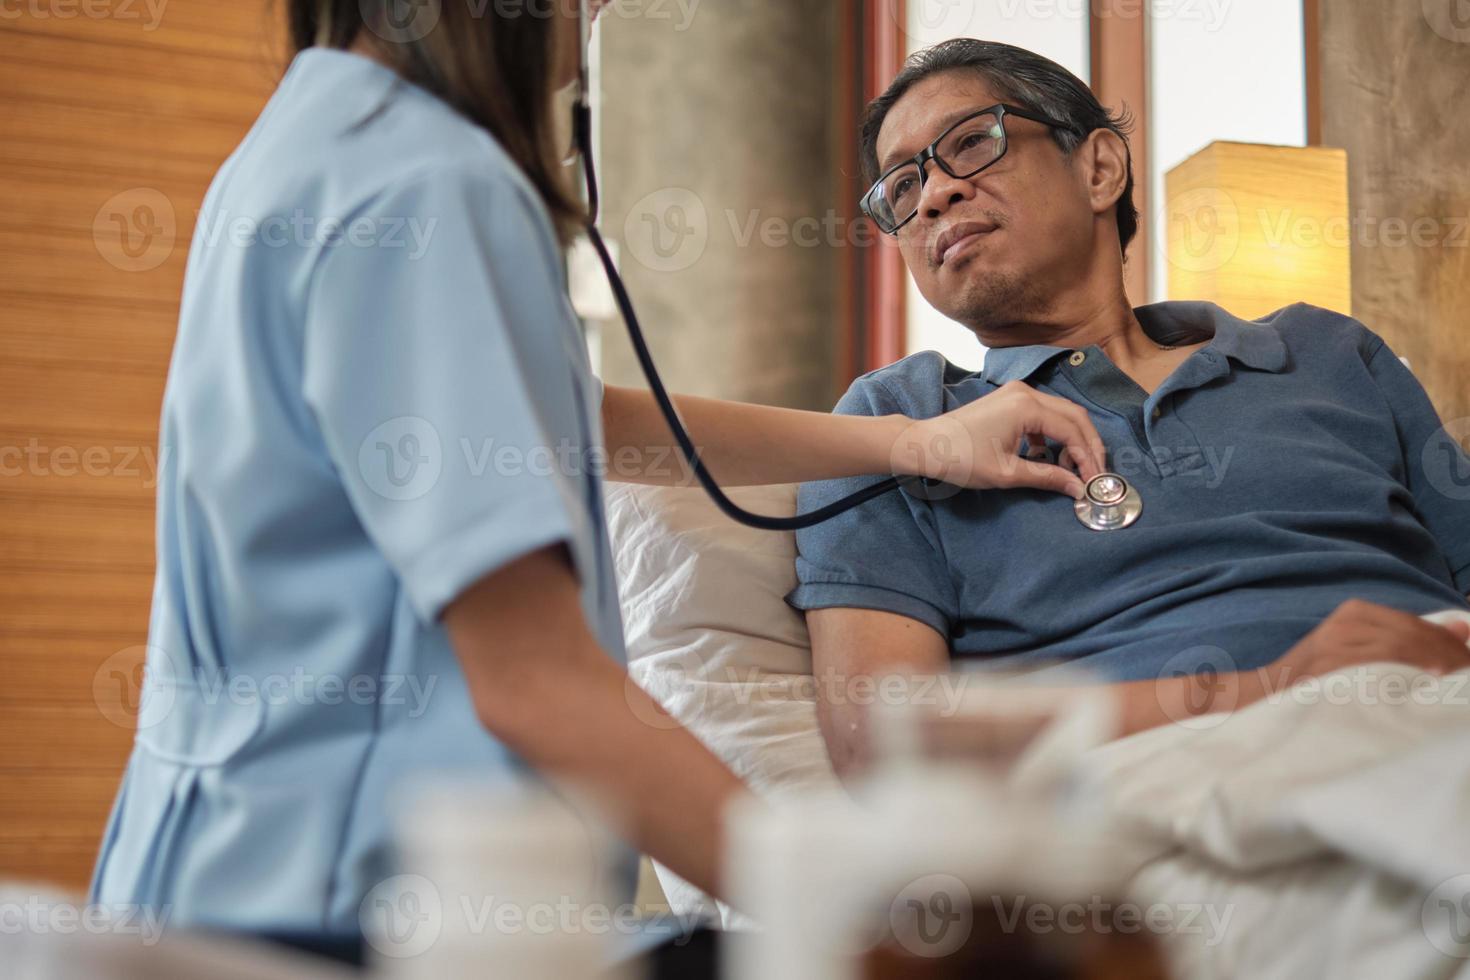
<point>1022,225</point>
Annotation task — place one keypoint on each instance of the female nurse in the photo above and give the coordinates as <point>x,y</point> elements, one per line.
<point>381,548</point>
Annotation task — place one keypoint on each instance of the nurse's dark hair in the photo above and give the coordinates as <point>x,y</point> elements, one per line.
<point>1022,78</point>
<point>496,67</point>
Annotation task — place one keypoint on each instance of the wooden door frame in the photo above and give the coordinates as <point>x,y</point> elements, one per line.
<point>1120,77</point>
<point>872,280</point>
<point>1312,36</point>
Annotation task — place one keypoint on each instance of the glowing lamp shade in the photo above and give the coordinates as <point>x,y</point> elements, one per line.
<point>1255,228</point>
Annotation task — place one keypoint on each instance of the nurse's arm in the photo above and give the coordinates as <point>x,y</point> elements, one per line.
<point>743,445</point>
<point>750,445</point>
<point>545,688</point>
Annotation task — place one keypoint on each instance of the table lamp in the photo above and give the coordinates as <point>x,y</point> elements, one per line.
<point>1254,228</point>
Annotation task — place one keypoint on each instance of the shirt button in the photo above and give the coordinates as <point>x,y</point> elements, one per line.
<point>1158,413</point>
<point>1077,358</point>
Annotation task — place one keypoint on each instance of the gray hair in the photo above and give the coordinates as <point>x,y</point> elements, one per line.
<point>1022,77</point>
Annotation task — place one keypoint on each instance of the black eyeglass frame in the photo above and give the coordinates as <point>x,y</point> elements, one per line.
<point>930,152</point>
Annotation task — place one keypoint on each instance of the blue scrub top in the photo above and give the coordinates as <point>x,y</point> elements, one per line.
<point>379,394</point>
<point>1289,465</point>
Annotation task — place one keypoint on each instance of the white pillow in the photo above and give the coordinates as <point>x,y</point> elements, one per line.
<point>711,638</point>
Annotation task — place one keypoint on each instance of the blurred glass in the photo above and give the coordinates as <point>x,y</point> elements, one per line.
<point>1028,733</point>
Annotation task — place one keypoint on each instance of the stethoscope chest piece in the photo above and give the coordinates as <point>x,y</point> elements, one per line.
<point>1110,503</point>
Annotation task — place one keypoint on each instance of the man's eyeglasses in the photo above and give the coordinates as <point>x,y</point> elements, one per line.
<point>963,150</point>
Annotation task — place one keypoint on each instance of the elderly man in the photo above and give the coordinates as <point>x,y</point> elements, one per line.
<point>1302,503</point>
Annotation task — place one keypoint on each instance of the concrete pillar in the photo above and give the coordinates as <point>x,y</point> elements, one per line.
<point>719,171</point>
<point>1393,87</point>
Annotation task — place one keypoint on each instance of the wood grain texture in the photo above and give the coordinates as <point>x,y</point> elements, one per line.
<point>1395,83</point>
<point>884,276</point>
<point>1120,79</point>
<point>1312,38</point>
<point>98,114</point>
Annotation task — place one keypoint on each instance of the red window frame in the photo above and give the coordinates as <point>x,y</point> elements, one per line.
<point>873,284</point>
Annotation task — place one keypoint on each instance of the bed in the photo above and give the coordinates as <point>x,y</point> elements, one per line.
<point>1332,824</point>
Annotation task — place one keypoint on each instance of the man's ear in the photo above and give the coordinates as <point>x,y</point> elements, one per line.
<point>1106,156</point>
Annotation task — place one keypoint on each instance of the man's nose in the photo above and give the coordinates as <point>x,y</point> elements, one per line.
<point>941,192</point>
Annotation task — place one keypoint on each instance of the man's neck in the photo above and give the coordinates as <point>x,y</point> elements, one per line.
<point>1110,326</point>
<point>1077,322</point>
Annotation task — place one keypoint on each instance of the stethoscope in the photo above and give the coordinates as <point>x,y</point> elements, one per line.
<point>1110,502</point>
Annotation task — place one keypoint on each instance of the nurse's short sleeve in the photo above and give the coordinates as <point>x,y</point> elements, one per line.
<point>1437,466</point>
<point>443,384</point>
<point>883,555</point>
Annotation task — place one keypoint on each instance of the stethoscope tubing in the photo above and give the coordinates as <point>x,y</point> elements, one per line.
<point>582,128</point>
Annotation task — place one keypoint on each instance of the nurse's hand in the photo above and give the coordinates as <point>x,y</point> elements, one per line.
<point>978,446</point>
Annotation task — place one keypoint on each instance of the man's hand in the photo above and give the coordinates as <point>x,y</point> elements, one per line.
<point>1361,632</point>
<point>1356,633</point>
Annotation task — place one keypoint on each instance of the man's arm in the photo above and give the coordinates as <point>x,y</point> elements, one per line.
<point>543,686</point>
<point>853,649</point>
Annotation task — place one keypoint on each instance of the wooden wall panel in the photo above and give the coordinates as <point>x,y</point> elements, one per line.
<point>240,30</point>
<point>1395,79</point>
<point>41,603</point>
<point>102,333</point>
<point>149,99</point>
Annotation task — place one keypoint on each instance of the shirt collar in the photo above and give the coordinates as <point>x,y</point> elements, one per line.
<point>1256,345</point>
<point>1006,364</point>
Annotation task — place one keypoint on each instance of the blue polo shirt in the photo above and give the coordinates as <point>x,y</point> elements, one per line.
<point>1289,465</point>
